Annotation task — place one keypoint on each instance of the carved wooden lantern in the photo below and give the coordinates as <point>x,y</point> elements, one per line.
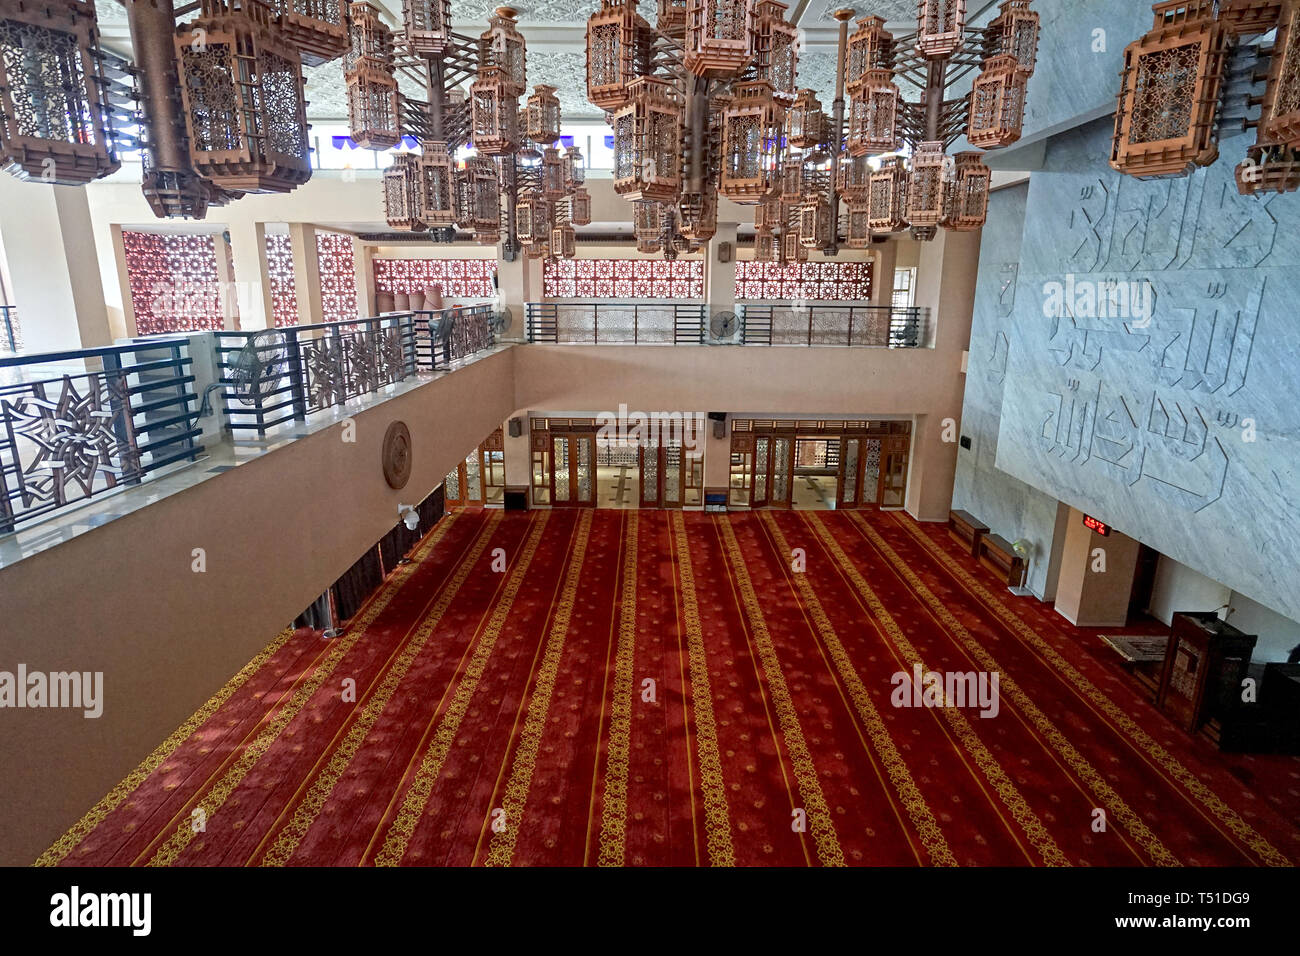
<point>670,19</point>
<point>854,176</point>
<point>318,28</point>
<point>792,247</point>
<point>543,115</point>
<point>428,26</point>
<point>1269,169</point>
<point>647,224</point>
<point>580,207</point>
<point>997,104</point>
<point>871,47</point>
<point>374,109</point>
<point>618,51</point>
<point>764,246</point>
<point>805,122</point>
<point>792,186</point>
<point>437,185</point>
<point>767,215</point>
<point>751,144</point>
<point>495,114</point>
<point>1166,117</point>
<point>1015,30</point>
<point>887,196</point>
<point>873,115</point>
<point>564,242</point>
<point>1280,118</point>
<point>925,187</point>
<point>574,172</point>
<point>967,194</point>
<point>478,198</point>
<point>532,222</point>
<point>247,134</point>
<point>648,246</point>
<point>553,186</point>
<point>54,109</point>
<point>859,219</point>
<point>719,37</point>
<point>816,225</point>
<point>402,204</point>
<point>647,142</point>
<point>501,47</point>
<point>776,49</point>
<point>939,28</point>
<point>698,213</point>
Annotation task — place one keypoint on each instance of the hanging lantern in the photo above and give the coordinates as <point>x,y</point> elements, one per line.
<point>698,213</point>
<point>939,28</point>
<point>854,176</point>
<point>719,37</point>
<point>574,172</point>
<point>543,115</point>
<point>767,215</point>
<point>1280,118</point>
<point>373,105</point>
<point>792,247</point>
<point>648,246</point>
<point>402,204</point>
<point>776,49</point>
<point>925,187</point>
<point>552,174</point>
<point>671,19</point>
<point>580,207</point>
<point>428,26</point>
<point>437,185</point>
<point>647,142</point>
<point>531,221</point>
<point>816,225</point>
<point>247,134</point>
<point>1015,34</point>
<point>764,246</point>
<point>1166,117</point>
<point>495,114</point>
<point>751,144</point>
<point>648,226</point>
<point>792,186</point>
<point>501,47</point>
<point>318,28</point>
<point>887,196</point>
<point>1273,168</point>
<point>618,51</point>
<point>997,104</point>
<point>871,47</point>
<point>478,198</point>
<point>873,115</point>
<point>564,242</point>
<point>966,202</point>
<point>859,218</point>
<point>805,122</point>
<point>54,104</point>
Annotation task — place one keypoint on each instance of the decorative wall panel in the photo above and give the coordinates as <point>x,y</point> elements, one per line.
<point>622,279</point>
<point>811,281</point>
<point>338,277</point>
<point>173,280</point>
<point>458,279</point>
<point>279,270</point>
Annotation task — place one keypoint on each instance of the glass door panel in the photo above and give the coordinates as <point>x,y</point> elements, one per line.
<point>849,457</point>
<point>474,478</point>
<point>762,469</point>
<point>649,453</point>
<point>542,477</point>
<point>584,492</point>
<point>693,494</point>
<point>560,477</point>
<point>672,476</point>
<point>782,472</point>
<point>893,489</point>
<point>869,493</point>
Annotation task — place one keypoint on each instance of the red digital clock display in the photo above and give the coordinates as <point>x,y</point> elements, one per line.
<point>1092,524</point>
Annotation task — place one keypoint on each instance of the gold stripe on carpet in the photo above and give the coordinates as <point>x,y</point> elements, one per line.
<point>997,778</point>
<point>613,815</point>
<point>515,799</point>
<point>909,794</point>
<point>717,819</point>
<point>1114,803</point>
<point>403,826</point>
<point>306,813</point>
<point>1140,738</point>
<point>821,826</point>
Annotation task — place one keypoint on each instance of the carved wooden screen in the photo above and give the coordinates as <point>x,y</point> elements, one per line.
<point>463,279</point>
<point>338,277</point>
<point>623,279</point>
<point>813,281</point>
<point>174,283</point>
<point>279,270</point>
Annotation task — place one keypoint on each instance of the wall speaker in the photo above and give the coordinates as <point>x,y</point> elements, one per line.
<point>516,427</point>
<point>724,252</point>
<point>719,429</point>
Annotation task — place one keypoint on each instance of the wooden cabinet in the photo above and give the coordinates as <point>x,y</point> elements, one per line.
<point>1205,662</point>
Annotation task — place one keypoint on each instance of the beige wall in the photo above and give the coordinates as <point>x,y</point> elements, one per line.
<point>1089,598</point>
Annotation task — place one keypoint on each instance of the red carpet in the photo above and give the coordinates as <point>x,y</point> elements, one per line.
<point>658,688</point>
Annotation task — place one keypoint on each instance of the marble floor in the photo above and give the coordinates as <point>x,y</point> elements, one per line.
<point>814,493</point>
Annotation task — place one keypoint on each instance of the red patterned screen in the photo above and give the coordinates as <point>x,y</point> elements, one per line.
<point>622,279</point>
<point>338,277</point>
<point>279,268</point>
<point>813,281</point>
<point>459,279</point>
<point>173,281</point>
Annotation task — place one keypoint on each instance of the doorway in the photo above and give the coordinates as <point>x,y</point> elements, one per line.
<point>480,480</point>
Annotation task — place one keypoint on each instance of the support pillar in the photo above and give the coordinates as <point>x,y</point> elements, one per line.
<point>362,253</point>
<point>720,277</point>
<point>518,283</point>
<point>252,283</point>
<point>306,273</point>
<point>1096,578</point>
<point>884,262</point>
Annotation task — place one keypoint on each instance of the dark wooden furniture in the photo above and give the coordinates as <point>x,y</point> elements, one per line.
<point>1205,663</point>
<point>996,554</point>
<point>967,529</point>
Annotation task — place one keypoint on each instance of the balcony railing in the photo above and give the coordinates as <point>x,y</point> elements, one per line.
<point>119,416</point>
<point>756,323</point>
<point>274,376</point>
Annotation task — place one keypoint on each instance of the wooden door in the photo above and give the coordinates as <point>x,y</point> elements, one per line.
<point>651,493</point>
<point>573,470</point>
<point>782,472</point>
<point>762,471</point>
<point>893,472</point>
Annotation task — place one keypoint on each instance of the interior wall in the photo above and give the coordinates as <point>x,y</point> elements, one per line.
<point>1180,588</point>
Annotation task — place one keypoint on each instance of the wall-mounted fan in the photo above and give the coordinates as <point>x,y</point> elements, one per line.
<point>724,328</point>
<point>261,363</point>
<point>501,320</point>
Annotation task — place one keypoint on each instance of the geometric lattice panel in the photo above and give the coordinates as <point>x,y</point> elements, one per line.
<point>279,270</point>
<point>811,281</point>
<point>173,281</point>
<point>455,278</point>
<point>622,279</point>
<point>338,277</point>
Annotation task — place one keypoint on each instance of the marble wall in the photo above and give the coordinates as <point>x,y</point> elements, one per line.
<point>1165,404</point>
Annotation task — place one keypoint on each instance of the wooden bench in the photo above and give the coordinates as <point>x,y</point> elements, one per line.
<point>997,555</point>
<point>967,530</point>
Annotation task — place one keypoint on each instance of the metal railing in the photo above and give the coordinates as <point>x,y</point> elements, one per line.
<point>757,323</point>
<point>275,376</point>
<point>121,414</point>
<point>8,329</point>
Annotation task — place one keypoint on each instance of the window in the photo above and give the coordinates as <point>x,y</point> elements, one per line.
<point>809,281</point>
<point>904,288</point>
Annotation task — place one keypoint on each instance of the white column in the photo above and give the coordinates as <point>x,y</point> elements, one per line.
<point>719,276</point>
<point>362,253</point>
<point>253,285</point>
<point>306,272</point>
